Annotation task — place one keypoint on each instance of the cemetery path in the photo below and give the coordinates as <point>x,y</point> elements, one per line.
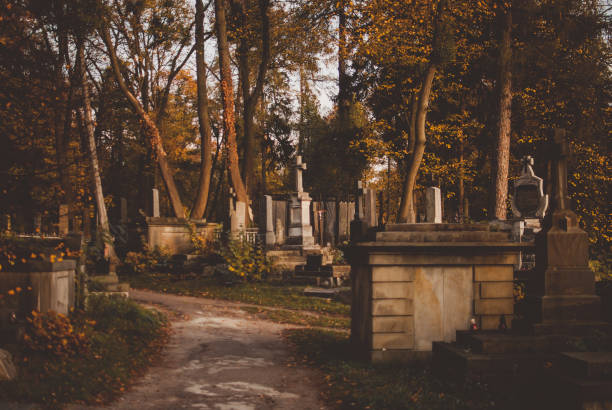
<point>219,357</point>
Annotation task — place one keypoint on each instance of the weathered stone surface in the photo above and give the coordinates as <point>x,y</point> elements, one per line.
<point>492,290</point>
<point>174,233</point>
<point>393,273</point>
<point>442,303</point>
<point>464,256</point>
<point>392,324</point>
<point>493,306</point>
<point>587,364</point>
<point>7,367</point>
<point>433,205</point>
<point>393,340</point>
<point>493,273</point>
<point>392,307</point>
<point>392,290</point>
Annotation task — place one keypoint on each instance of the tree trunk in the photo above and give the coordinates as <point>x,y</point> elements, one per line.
<point>95,169</point>
<point>343,78</point>
<point>405,198</point>
<point>250,98</point>
<point>408,214</point>
<point>150,130</point>
<point>205,146</point>
<point>227,97</point>
<point>502,154</point>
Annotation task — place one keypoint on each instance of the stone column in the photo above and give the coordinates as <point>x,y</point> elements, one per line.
<point>269,221</point>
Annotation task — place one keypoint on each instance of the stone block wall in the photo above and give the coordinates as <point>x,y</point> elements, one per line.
<point>408,294</point>
<point>493,295</point>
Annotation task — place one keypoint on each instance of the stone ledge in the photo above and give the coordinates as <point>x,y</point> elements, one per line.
<point>494,306</point>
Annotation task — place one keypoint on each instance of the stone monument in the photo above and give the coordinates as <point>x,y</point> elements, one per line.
<point>563,291</point>
<point>300,228</point>
<point>433,208</point>
<point>529,200</point>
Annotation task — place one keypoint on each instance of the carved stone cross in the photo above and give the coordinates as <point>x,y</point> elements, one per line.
<point>528,165</point>
<point>299,167</point>
<point>560,153</point>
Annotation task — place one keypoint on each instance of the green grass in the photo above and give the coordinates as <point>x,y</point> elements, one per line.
<point>351,383</point>
<point>299,318</point>
<point>263,293</point>
<point>117,341</point>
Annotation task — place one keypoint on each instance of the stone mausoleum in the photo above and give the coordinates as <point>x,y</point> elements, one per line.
<point>420,283</point>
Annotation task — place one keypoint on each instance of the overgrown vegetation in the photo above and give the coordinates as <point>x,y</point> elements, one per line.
<point>265,293</point>
<point>145,261</point>
<point>350,383</point>
<point>246,260</point>
<point>89,357</point>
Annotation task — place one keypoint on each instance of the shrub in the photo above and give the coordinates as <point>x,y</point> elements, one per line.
<point>54,333</point>
<point>246,260</point>
<point>140,262</point>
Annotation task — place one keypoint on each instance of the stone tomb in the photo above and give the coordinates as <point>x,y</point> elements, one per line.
<point>175,234</point>
<point>420,283</point>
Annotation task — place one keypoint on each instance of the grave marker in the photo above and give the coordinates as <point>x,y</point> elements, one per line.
<point>433,205</point>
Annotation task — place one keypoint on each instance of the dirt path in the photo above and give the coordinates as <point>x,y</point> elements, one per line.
<point>220,358</point>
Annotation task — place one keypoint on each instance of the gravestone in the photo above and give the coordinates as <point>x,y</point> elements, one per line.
<point>563,288</point>
<point>433,205</point>
<point>529,200</point>
<point>370,208</point>
<point>343,221</point>
<point>63,226</point>
<point>359,225</point>
<point>155,203</point>
<point>270,237</point>
<point>300,229</point>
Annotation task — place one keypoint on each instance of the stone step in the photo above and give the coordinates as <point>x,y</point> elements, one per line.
<point>428,227</point>
<point>569,328</point>
<point>508,343</point>
<point>586,365</point>
<point>451,360</point>
<point>441,236</point>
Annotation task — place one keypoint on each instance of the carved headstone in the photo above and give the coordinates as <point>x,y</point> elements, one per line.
<point>300,228</point>
<point>370,208</point>
<point>529,200</point>
<point>269,220</point>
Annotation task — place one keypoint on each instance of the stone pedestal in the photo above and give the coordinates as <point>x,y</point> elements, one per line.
<point>420,283</point>
<point>300,229</point>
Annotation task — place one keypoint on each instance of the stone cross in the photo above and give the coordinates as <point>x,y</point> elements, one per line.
<point>559,156</point>
<point>528,165</point>
<point>299,167</point>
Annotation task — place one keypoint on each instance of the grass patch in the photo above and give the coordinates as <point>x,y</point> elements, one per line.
<point>299,318</point>
<point>264,293</point>
<point>88,358</point>
<point>350,383</point>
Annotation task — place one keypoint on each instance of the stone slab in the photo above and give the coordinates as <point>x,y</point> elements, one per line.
<point>463,256</point>
<point>590,365</point>
<point>491,322</point>
<point>393,340</point>
<point>392,307</point>
<point>392,290</point>
<point>393,324</point>
<point>496,290</point>
<point>393,273</point>
<point>493,273</point>
<point>493,306</point>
